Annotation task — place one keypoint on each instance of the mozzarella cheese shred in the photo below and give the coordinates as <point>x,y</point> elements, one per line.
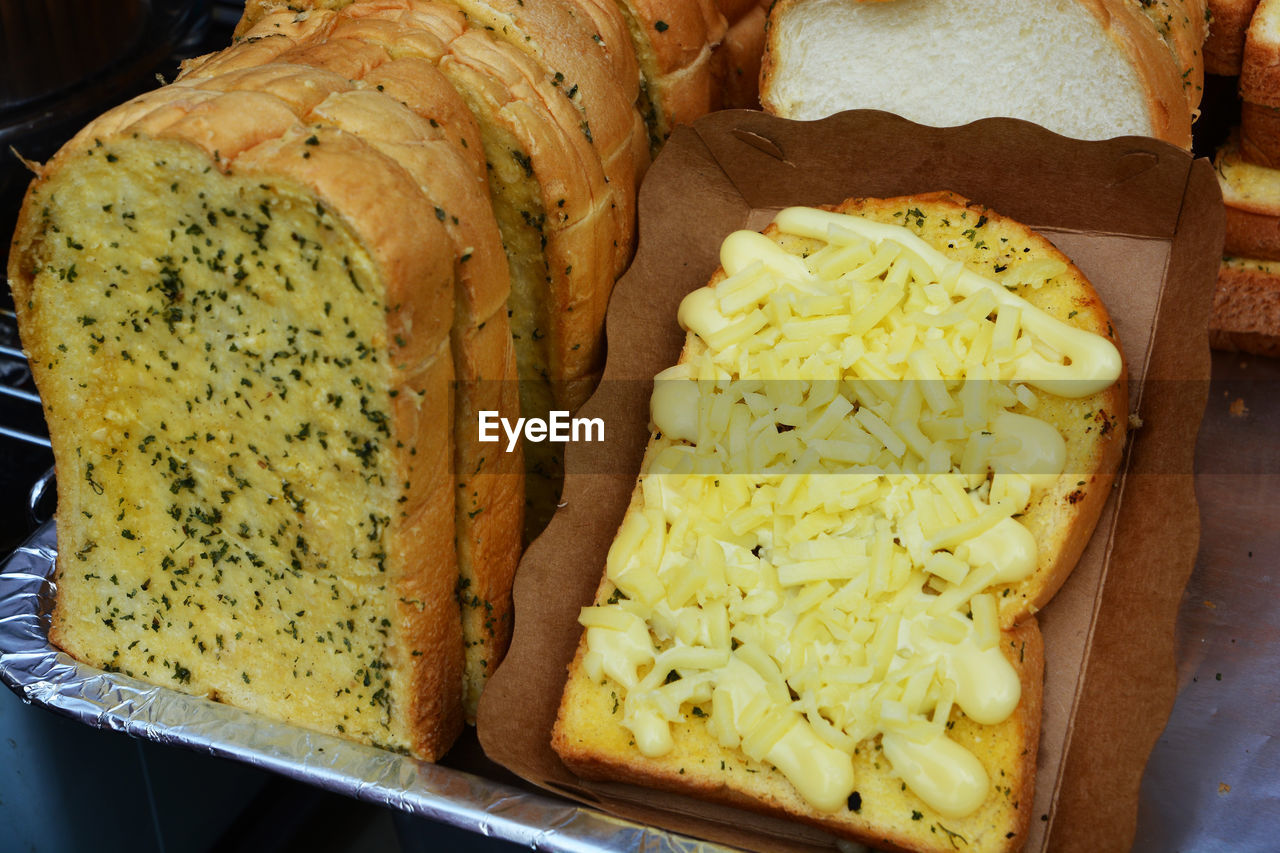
<point>833,493</point>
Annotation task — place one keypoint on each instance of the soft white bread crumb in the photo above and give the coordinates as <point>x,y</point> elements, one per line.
<point>951,63</point>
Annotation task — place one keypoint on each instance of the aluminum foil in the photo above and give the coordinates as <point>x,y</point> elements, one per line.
<point>41,674</point>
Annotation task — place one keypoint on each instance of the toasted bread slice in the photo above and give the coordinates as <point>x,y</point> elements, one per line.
<point>203,279</point>
<point>741,580</point>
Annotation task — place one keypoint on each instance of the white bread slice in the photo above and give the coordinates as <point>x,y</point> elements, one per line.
<point>598,740</point>
<point>1224,47</point>
<point>238,318</point>
<point>1091,69</point>
<point>439,145</point>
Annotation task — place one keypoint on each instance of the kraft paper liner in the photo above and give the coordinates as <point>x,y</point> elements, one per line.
<point>1144,223</point>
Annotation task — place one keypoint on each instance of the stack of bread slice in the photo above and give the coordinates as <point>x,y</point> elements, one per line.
<point>889,436</point>
<point>265,306</point>
<point>1090,69</point>
<point>1246,312</point>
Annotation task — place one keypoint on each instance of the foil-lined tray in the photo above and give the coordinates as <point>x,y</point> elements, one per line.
<point>41,674</point>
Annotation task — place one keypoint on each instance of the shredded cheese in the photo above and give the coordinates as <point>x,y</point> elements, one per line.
<point>810,556</point>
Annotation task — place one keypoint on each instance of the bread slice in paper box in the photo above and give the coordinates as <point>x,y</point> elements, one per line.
<point>820,603</point>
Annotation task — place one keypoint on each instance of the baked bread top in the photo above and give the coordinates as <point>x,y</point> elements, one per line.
<point>877,456</point>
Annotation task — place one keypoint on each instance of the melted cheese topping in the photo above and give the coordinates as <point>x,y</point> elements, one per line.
<point>808,558</point>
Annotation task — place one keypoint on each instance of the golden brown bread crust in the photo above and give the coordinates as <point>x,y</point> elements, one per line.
<point>740,55</point>
<point>561,37</point>
<point>589,736</point>
<point>1184,26</point>
<point>1260,133</point>
<point>1252,235</point>
<point>1258,73</point>
<point>1224,46</point>
<point>674,42</point>
<point>248,135</point>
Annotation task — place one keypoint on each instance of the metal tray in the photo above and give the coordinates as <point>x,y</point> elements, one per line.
<point>40,674</point>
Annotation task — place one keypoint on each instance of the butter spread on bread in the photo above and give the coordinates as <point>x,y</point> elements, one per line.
<point>824,578</point>
<point>244,359</point>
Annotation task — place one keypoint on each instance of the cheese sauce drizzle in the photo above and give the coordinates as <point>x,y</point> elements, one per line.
<point>841,591</point>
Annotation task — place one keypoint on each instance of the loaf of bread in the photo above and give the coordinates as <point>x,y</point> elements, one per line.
<point>1089,69</point>
<point>670,43</point>
<point>265,307</point>
<point>564,147</point>
<point>889,436</point>
<point>238,315</point>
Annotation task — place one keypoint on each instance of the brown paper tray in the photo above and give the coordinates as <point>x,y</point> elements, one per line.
<point>1139,217</point>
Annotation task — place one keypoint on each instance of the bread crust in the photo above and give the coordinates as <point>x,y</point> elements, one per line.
<point>1260,134</point>
<point>740,57</point>
<point>1224,46</point>
<point>1246,307</point>
<point>1259,76</point>
<point>589,735</point>
<point>581,222</point>
<point>674,42</point>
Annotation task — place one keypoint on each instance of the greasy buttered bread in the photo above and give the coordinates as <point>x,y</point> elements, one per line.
<point>238,315</point>
<point>889,435</point>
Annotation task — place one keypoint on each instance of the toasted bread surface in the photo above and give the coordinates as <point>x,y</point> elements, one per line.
<point>187,273</point>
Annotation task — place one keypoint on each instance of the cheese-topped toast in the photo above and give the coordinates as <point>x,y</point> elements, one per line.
<point>889,436</point>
